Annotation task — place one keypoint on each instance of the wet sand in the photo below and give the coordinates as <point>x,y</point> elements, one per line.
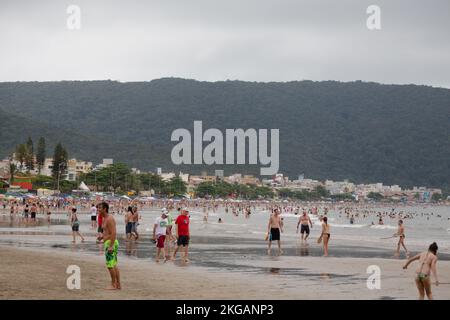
<point>39,273</point>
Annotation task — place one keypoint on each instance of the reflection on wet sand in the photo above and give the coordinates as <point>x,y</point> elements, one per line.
<point>274,270</point>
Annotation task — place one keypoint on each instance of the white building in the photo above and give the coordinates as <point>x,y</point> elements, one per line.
<point>167,176</point>
<point>105,163</point>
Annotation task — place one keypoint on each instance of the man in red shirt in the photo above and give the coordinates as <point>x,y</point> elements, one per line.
<point>182,234</point>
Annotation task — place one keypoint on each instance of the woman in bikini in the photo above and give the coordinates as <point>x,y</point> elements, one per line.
<point>401,241</point>
<point>427,265</point>
<point>325,236</point>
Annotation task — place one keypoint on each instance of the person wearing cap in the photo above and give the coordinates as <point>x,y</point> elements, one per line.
<point>170,238</point>
<point>182,234</point>
<point>159,234</point>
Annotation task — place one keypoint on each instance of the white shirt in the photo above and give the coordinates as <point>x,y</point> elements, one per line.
<point>93,211</point>
<point>161,226</point>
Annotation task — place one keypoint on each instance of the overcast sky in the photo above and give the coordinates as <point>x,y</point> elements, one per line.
<point>255,40</point>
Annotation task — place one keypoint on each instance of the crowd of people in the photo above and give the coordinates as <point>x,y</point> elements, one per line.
<point>171,234</point>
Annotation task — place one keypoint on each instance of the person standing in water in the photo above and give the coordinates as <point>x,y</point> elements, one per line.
<point>100,225</point>
<point>427,266</point>
<point>135,223</point>
<point>401,241</point>
<point>305,222</point>
<point>274,227</point>
<point>325,236</point>
<point>182,234</point>
<point>93,217</point>
<point>159,234</point>
<point>110,245</point>
<point>128,223</point>
<point>75,225</point>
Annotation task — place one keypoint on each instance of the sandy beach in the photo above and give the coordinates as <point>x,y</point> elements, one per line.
<point>28,273</point>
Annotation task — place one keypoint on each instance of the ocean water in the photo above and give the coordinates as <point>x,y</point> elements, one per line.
<point>238,236</point>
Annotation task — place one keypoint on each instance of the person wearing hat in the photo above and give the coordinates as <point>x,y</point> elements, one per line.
<point>170,238</point>
<point>159,234</point>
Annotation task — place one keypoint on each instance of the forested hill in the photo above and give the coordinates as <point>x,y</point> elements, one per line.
<point>365,132</point>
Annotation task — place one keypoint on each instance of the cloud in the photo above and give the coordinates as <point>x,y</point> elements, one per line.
<point>256,40</point>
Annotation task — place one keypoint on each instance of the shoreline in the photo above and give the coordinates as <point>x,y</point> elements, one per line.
<point>29,273</point>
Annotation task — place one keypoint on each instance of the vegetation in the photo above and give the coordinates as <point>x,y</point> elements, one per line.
<point>40,154</point>
<point>223,189</point>
<point>318,193</point>
<point>375,196</point>
<point>59,166</point>
<point>365,132</point>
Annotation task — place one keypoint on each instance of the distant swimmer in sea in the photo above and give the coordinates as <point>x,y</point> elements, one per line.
<point>380,221</point>
<point>427,265</point>
<point>401,241</point>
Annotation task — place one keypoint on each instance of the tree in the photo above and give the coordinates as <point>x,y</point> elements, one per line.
<point>375,196</point>
<point>21,154</point>
<point>59,162</point>
<point>205,189</point>
<point>29,159</point>
<point>436,197</point>
<point>175,187</point>
<point>40,154</point>
<point>12,170</point>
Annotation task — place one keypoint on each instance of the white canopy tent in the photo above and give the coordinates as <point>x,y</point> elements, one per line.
<point>83,187</point>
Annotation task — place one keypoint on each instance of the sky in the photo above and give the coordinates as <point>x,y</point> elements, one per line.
<point>212,40</point>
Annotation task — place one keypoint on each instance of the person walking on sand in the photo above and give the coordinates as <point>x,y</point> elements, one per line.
<point>427,265</point>
<point>325,236</point>
<point>110,245</point>
<point>305,222</point>
<point>75,225</point>
<point>182,234</point>
<point>159,235</point>
<point>401,241</point>
<point>274,227</point>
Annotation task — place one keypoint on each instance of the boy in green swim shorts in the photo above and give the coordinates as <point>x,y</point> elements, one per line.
<point>111,245</point>
<point>111,257</point>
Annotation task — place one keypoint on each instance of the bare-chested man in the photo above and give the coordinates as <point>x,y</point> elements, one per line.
<point>401,241</point>
<point>111,245</point>
<point>274,228</point>
<point>135,223</point>
<point>129,223</point>
<point>427,265</point>
<point>305,221</point>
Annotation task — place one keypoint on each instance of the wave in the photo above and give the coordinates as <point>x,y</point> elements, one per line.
<point>383,227</point>
<point>349,225</point>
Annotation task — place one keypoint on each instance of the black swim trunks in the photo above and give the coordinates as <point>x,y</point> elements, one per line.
<point>183,241</point>
<point>274,234</point>
<point>304,228</point>
<point>128,227</point>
